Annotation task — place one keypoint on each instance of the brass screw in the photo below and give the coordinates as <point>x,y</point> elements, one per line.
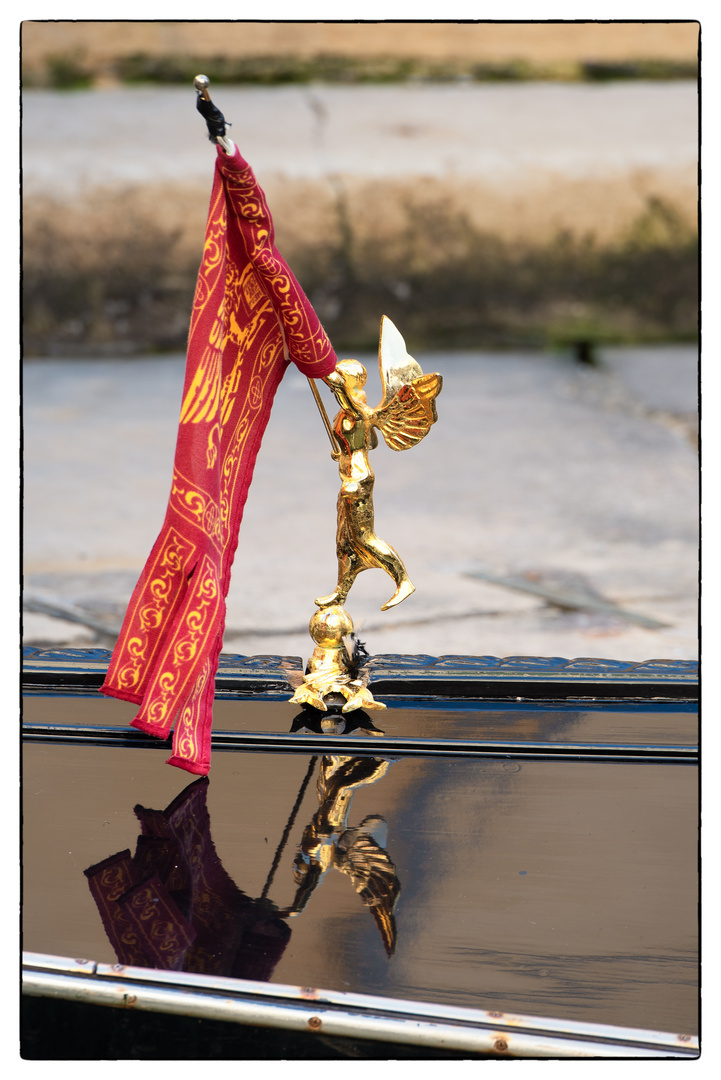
<point>500,1045</point>
<point>315,1022</point>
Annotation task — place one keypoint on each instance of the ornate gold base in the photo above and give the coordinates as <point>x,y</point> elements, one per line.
<point>329,681</point>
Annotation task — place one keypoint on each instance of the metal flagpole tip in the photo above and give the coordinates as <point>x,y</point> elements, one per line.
<point>201,84</point>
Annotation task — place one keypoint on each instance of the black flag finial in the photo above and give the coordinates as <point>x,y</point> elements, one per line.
<point>212,115</point>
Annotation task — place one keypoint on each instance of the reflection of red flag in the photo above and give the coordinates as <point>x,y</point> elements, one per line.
<point>250,318</point>
<point>172,905</point>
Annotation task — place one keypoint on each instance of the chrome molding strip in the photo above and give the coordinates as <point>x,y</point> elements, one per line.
<point>531,750</point>
<point>342,1014</point>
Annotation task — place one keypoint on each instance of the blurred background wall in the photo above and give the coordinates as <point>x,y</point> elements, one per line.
<point>98,51</point>
<point>492,184</point>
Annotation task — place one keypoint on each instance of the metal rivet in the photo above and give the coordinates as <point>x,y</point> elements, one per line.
<point>684,1038</point>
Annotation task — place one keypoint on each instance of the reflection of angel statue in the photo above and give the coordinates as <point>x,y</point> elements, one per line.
<point>404,417</point>
<point>359,852</point>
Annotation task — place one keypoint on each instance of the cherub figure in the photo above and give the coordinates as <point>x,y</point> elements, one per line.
<point>404,417</point>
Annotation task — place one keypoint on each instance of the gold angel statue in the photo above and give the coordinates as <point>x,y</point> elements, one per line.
<point>404,417</point>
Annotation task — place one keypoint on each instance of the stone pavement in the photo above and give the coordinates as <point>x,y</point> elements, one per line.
<point>577,477</point>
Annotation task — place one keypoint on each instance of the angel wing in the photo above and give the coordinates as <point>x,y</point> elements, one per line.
<point>374,878</point>
<point>408,408</point>
<point>409,415</point>
<point>397,368</point>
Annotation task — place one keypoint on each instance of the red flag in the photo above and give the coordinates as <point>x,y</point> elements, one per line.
<point>250,318</point>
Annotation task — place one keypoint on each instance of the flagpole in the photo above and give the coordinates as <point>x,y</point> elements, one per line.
<point>324,416</point>
<point>289,826</point>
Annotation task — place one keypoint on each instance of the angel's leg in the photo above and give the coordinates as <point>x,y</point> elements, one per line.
<point>349,567</point>
<point>388,559</point>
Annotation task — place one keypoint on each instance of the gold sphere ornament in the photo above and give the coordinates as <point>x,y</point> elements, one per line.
<point>329,626</point>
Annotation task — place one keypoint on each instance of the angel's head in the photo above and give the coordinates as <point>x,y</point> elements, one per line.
<point>353,373</point>
<point>350,377</point>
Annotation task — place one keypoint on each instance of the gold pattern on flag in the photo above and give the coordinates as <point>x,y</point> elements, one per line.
<point>213,259</point>
<point>185,743</point>
<point>164,589</point>
<point>200,403</point>
<point>203,602</point>
<point>243,191</point>
<point>196,506</point>
<point>266,354</point>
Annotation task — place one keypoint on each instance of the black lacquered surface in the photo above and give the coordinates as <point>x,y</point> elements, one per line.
<point>556,887</point>
<point>659,730</point>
